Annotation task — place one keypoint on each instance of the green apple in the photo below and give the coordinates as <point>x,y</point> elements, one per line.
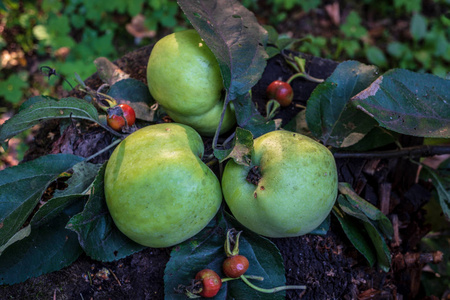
<point>288,191</point>
<point>158,190</point>
<point>184,77</point>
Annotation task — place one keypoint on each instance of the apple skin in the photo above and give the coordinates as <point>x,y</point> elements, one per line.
<point>157,189</point>
<point>297,187</point>
<point>184,77</point>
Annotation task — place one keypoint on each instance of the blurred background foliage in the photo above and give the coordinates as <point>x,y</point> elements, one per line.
<point>69,35</point>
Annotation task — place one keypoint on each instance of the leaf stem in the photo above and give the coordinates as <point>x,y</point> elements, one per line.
<point>247,276</point>
<point>219,127</point>
<point>114,143</point>
<point>306,76</point>
<point>272,290</point>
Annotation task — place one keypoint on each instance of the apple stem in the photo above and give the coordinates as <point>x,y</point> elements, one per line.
<point>272,290</point>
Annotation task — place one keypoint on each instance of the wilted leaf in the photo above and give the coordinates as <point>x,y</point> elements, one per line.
<point>21,188</point>
<point>97,233</point>
<point>108,71</point>
<point>47,109</point>
<point>328,113</point>
<point>408,103</point>
<point>241,149</point>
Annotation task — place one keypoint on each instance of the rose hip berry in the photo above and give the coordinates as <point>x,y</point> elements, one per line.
<point>116,121</point>
<point>211,282</point>
<point>235,266</point>
<point>281,91</point>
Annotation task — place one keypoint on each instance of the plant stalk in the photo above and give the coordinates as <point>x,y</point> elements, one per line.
<point>272,290</point>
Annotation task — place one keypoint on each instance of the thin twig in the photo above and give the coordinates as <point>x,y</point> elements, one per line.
<point>411,152</point>
<point>117,279</point>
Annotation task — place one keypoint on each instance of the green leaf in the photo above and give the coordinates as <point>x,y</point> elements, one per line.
<point>371,219</point>
<point>81,180</point>
<point>249,118</point>
<point>97,234</point>
<point>12,89</point>
<point>323,228</point>
<point>241,149</point>
<point>48,248</point>
<point>383,253</point>
<point>408,103</point>
<point>21,188</point>
<point>418,26</point>
<point>375,138</point>
<point>206,250</point>
<point>367,208</point>
<point>356,236</point>
<point>78,186</point>
<point>376,56</point>
<point>441,182</point>
<point>328,114</point>
<point>235,37</point>
<point>136,94</point>
<point>47,109</point>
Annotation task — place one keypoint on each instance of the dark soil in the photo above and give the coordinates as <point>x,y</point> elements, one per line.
<point>328,265</point>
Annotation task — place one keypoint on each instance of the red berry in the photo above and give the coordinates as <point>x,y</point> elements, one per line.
<point>211,282</point>
<point>117,122</point>
<point>235,266</point>
<point>280,91</point>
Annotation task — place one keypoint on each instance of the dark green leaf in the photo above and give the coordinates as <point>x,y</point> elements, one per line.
<point>233,34</point>
<point>97,234</point>
<point>352,209</point>
<point>323,228</point>
<point>48,109</point>
<point>367,208</point>
<point>328,113</point>
<point>441,182</point>
<point>47,248</point>
<point>206,250</point>
<point>136,94</point>
<point>78,186</point>
<point>383,253</point>
<point>21,188</point>
<point>356,236</point>
<point>249,118</point>
<point>298,124</point>
<point>31,101</point>
<point>376,138</point>
<point>241,149</point>
<point>408,103</point>
<point>53,207</point>
<point>79,183</point>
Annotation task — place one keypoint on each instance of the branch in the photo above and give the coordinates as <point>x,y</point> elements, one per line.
<point>410,152</point>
